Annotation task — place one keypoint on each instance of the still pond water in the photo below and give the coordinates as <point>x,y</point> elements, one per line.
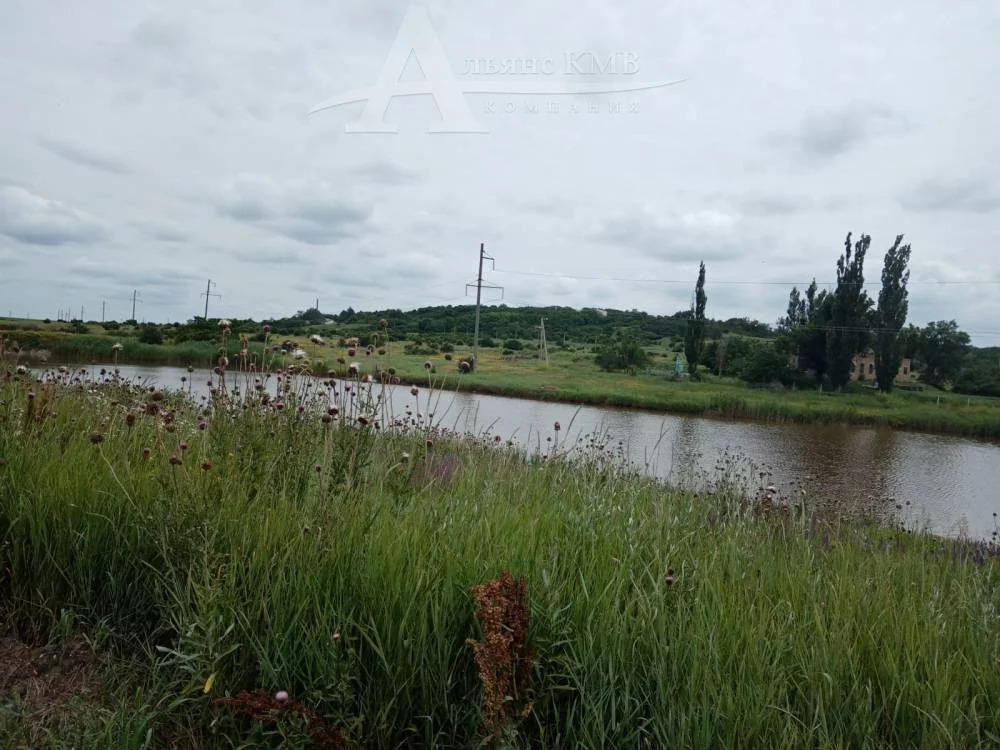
<point>949,484</point>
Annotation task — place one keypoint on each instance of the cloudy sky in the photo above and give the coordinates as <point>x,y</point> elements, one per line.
<point>152,146</point>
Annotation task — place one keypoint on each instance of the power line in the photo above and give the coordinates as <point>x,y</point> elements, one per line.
<point>716,281</point>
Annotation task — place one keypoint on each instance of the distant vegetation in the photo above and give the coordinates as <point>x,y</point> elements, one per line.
<point>811,346</point>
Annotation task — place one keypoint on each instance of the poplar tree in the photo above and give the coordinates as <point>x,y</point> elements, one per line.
<point>849,313</point>
<point>694,339</point>
<point>890,315</point>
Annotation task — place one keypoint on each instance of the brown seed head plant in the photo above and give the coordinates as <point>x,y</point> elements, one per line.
<point>503,657</point>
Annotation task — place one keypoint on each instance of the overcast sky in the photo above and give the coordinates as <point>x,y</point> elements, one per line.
<point>153,146</point>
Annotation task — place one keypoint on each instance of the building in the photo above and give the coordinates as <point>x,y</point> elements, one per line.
<point>863,368</point>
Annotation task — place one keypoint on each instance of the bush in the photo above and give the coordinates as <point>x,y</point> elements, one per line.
<point>764,364</point>
<point>622,354</point>
<point>513,344</point>
<point>150,335</point>
<point>979,379</point>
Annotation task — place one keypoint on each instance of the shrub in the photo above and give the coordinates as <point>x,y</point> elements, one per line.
<point>150,335</point>
<point>622,354</point>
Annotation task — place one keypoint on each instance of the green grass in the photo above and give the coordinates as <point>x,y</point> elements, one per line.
<point>336,562</point>
<point>573,377</point>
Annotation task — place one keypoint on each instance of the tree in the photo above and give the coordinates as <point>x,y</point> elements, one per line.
<point>942,348</point>
<point>622,353</point>
<point>979,378</point>
<point>694,340</point>
<point>764,363</point>
<point>849,313</point>
<point>890,316</point>
<point>802,332</point>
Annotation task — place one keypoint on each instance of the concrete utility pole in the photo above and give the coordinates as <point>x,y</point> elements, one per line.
<point>104,305</point>
<point>134,292</point>
<point>543,345</point>
<point>479,298</point>
<point>208,293</point>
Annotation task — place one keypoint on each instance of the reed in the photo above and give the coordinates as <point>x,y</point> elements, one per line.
<point>321,549</point>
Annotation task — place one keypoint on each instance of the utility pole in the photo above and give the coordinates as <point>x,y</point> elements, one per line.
<point>134,292</point>
<point>479,299</point>
<point>104,306</point>
<point>81,313</point>
<point>208,293</point>
<point>543,345</point>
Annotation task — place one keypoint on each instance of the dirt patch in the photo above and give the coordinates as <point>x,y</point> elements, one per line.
<point>37,682</point>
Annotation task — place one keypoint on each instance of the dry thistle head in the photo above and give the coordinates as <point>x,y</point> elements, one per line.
<point>96,437</point>
<point>428,365</point>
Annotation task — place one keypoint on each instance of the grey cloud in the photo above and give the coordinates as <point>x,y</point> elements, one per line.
<point>162,232</point>
<point>830,133</point>
<point>85,156</point>
<point>974,195</point>
<point>386,173</point>
<point>36,220</point>
<point>774,205</point>
<point>159,34</point>
<point>679,238</point>
<point>310,212</point>
<point>166,276</point>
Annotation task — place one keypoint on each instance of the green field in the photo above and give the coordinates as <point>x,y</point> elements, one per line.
<point>573,377</point>
<point>157,561</point>
<point>570,375</point>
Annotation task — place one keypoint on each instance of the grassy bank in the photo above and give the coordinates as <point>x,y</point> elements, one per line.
<point>574,378</point>
<point>59,347</point>
<point>269,550</point>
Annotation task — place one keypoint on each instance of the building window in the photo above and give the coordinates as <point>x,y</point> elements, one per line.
<point>906,370</point>
<point>871,369</point>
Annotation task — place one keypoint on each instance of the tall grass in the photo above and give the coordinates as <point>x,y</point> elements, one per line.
<point>330,552</point>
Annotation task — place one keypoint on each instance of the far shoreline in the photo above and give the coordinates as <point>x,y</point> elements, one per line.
<point>760,406</point>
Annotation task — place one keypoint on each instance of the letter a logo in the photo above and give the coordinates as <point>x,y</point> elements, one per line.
<point>416,37</point>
